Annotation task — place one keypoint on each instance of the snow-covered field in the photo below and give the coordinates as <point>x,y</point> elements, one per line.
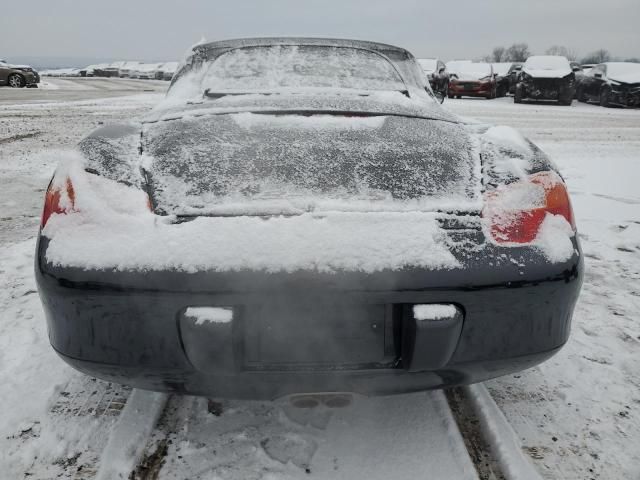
<point>577,415</point>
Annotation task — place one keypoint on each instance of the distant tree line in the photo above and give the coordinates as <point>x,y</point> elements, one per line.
<point>518,52</point>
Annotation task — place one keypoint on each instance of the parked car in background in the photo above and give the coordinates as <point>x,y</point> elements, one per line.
<point>389,258</point>
<point>167,71</point>
<point>611,84</point>
<point>473,80</point>
<point>18,76</point>
<point>586,68</point>
<point>503,80</point>
<point>126,68</point>
<point>513,73</point>
<point>145,71</point>
<point>546,77</point>
<point>437,75</point>
<point>452,66</point>
<point>107,70</point>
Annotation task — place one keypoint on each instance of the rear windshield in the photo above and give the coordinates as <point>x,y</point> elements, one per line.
<point>300,66</point>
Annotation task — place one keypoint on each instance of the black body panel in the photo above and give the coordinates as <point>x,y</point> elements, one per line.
<point>131,329</point>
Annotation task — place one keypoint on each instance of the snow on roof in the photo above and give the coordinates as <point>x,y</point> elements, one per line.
<point>501,68</point>
<point>473,70</point>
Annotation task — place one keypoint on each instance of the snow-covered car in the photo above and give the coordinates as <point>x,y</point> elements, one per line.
<point>277,227</point>
<point>546,77</point>
<point>611,83</point>
<point>436,73</point>
<point>167,71</point>
<point>146,71</point>
<point>473,79</point>
<point>502,72</point>
<point>126,68</point>
<point>18,76</point>
<point>110,70</point>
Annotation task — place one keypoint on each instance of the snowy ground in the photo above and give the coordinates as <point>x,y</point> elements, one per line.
<point>577,415</point>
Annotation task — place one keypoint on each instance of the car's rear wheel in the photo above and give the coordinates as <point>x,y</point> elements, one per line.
<point>16,81</point>
<point>518,94</point>
<point>580,95</point>
<point>458,96</point>
<point>605,94</point>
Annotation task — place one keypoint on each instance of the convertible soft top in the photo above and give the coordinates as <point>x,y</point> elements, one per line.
<point>224,45</point>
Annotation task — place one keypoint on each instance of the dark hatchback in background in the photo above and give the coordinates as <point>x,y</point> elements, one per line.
<point>278,228</point>
<point>611,84</point>
<point>546,77</point>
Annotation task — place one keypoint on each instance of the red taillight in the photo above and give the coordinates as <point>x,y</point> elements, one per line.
<point>518,223</point>
<point>53,203</point>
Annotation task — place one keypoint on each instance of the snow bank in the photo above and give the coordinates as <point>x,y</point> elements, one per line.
<point>497,432</point>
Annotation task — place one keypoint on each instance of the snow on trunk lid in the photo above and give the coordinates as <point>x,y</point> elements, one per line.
<point>258,164</point>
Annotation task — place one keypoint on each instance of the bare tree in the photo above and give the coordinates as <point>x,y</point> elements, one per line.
<point>599,56</point>
<point>498,54</point>
<point>518,52</point>
<point>563,51</point>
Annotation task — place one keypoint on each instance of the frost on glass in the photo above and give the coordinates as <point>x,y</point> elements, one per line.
<point>283,66</point>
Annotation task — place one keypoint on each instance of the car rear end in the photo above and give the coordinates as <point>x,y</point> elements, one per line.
<point>267,335</point>
<point>263,299</point>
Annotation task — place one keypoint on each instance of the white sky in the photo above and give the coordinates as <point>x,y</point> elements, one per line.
<point>163,29</point>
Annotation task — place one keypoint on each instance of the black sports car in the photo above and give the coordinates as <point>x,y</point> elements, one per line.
<point>301,215</point>
<point>546,77</point>
<point>611,83</point>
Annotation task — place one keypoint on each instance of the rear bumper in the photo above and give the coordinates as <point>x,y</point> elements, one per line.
<point>138,336</point>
